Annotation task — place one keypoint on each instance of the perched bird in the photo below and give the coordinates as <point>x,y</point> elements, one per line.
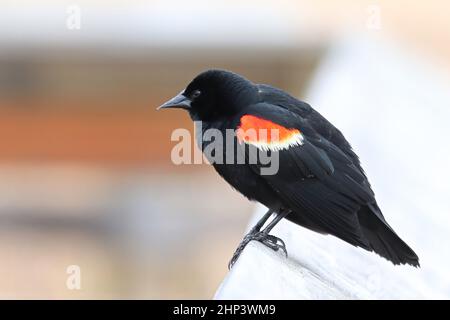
<point>319,184</point>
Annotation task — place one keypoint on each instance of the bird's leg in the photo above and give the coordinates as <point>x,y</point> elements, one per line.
<point>277,219</point>
<point>261,222</point>
<point>262,236</point>
<point>271,241</point>
<point>249,236</point>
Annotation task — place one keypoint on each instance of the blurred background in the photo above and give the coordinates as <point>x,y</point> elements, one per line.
<point>85,172</point>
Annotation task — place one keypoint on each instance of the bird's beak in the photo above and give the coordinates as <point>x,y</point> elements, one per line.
<point>179,101</point>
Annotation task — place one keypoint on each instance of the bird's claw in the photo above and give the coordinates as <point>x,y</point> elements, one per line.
<point>268,240</point>
<point>276,244</point>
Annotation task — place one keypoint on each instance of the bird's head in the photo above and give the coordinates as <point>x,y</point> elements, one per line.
<point>214,94</point>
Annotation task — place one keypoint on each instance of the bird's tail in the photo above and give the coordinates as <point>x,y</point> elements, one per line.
<point>383,240</point>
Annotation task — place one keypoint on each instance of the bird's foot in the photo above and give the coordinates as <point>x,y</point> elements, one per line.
<point>268,240</point>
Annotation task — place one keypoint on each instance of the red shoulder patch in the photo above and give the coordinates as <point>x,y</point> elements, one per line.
<point>266,134</point>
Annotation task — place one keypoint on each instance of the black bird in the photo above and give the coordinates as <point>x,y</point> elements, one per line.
<point>319,185</point>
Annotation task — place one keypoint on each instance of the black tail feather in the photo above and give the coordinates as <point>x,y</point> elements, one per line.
<point>383,240</point>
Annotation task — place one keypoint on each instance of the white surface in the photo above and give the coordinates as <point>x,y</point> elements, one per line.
<point>292,281</point>
<point>394,110</point>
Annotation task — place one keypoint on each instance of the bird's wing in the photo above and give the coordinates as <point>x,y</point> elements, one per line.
<point>270,128</point>
<point>321,125</point>
<point>314,176</point>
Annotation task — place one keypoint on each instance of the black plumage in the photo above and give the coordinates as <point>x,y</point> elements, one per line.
<point>320,184</point>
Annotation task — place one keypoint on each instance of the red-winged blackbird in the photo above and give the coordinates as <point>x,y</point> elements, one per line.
<point>319,185</point>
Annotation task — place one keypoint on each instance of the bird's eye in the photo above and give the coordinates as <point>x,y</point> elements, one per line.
<point>195,94</point>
